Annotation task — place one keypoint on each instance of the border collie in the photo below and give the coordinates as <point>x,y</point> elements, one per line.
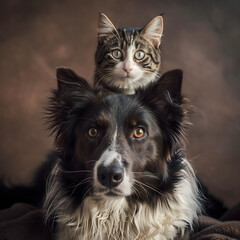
<point>122,173</point>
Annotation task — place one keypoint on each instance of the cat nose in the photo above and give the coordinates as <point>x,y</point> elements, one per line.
<point>127,69</point>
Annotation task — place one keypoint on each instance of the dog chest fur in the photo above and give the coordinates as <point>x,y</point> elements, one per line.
<point>102,219</point>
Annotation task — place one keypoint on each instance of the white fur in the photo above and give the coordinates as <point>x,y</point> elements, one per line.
<point>129,85</point>
<point>107,158</point>
<point>112,218</point>
<point>135,72</point>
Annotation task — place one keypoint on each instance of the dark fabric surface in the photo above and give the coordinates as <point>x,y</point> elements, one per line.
<point>209,228</point>
<point>233,214</point>
<point>23,222</point>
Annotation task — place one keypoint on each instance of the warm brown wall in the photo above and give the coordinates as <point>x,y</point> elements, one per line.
<point>201,37</point>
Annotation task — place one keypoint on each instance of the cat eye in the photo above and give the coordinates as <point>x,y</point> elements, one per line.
<point>93,132</point>
<point>117,53</point>
<point>138,132</point>
<point>139,55</point>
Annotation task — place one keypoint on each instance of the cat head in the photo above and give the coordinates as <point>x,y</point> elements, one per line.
<point>127,58</point>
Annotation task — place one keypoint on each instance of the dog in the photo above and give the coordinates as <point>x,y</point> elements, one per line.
<point>121,171</point>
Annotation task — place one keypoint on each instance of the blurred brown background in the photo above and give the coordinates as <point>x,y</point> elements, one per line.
<point>200,37</point>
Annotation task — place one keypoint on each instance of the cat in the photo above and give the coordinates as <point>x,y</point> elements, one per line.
<point>127,58</point>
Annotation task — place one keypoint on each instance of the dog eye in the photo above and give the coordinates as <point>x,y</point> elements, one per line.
<point>117,53</point>
<point>138,132</point>
<point>92,132</point>
<point>139,55</point>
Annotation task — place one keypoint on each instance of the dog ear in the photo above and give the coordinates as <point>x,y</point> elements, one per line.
<point>172,83</point>
<point>167,90</point>
<point>164,99</point>
<point>68,79</point>
<point>67,103</point>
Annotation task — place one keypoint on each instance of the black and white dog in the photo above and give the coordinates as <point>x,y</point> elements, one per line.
<point>122,173</point>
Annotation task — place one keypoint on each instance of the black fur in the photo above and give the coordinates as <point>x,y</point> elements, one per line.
<point>212,205</point>
<point>75,107</point>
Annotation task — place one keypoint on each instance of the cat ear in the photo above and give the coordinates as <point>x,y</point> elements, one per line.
<point>153,31</point>
<point>105,26</point>
<point>68,79</point>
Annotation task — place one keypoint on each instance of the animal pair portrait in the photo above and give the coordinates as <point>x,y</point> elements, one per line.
<point>119,170</point>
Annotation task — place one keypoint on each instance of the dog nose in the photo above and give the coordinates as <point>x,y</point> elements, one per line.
<point>110,176</point>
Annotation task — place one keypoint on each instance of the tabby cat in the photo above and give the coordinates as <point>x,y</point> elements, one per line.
<point>127,58</point>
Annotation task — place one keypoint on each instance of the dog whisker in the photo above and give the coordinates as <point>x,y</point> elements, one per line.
<point>79,183</point>
<point>149,186</point>
<point>86,180</point>
<point>136,191</point>
<point>87,192</point>
<point>79,171</point>
<point>145,190</point>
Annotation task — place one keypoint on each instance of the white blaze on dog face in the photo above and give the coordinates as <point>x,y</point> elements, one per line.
<point>111,159</point>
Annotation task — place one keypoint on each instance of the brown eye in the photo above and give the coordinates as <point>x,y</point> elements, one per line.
<point>138,132</point>
<point>139,55</point>
<point>92,132</point>
<point>117,53</point>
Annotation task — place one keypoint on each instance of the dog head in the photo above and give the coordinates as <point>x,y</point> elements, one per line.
<point>114,145</point>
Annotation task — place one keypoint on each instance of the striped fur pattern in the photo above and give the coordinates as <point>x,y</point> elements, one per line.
<point>121,173</point>
<point>127,58</point>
